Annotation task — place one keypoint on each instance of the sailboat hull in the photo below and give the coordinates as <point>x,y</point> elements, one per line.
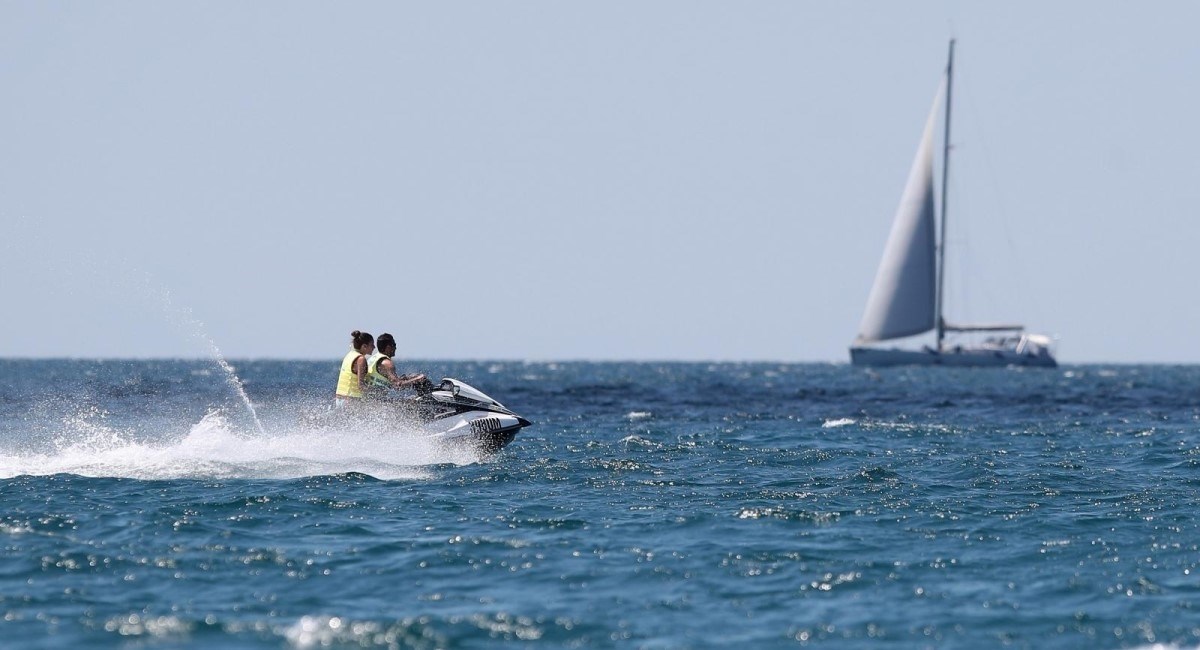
<point>964,357</point>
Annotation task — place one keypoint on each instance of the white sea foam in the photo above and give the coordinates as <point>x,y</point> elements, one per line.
<point>841,422</point>
<point>134,625</point>
<point>213,448</point>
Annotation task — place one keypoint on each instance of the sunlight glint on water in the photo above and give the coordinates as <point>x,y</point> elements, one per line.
<point>650,505</point>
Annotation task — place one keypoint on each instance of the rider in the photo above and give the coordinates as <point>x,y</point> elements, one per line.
<point>381,371</point>
<point>352,378</point>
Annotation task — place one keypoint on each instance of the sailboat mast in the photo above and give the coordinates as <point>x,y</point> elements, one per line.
<point>941,279</point>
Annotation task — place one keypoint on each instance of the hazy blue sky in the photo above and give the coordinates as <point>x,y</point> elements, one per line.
<point>566,180</point>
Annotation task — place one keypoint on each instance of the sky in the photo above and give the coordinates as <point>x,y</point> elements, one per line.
<point>543,180</point>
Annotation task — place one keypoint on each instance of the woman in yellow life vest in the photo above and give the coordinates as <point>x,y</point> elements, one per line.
<point>381,370</point>
<point>352,380</point>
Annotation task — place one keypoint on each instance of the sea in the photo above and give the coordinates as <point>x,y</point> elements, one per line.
<point>195,504</point>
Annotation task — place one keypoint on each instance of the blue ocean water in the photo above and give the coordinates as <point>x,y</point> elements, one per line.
<point>652,505</point>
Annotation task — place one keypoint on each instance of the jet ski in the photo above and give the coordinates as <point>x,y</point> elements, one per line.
<point>451,414</point>
<point>454,413</point>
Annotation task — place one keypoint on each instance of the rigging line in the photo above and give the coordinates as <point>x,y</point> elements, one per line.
<point>1000,207</point>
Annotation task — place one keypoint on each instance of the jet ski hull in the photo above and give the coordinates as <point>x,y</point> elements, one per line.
<point>452,414</point>
<point>458,415</point>
<point>484,431</point>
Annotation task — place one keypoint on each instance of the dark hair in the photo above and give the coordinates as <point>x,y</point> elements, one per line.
<point>359,339</point>
<point>385,340</point>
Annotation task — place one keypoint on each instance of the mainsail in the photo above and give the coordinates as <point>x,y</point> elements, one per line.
<point>903,300</point>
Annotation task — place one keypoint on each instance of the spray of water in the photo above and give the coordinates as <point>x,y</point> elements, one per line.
<point>93,272</point>
<point>236,383</point>
<point>85,444</point>
<point>182,316</point>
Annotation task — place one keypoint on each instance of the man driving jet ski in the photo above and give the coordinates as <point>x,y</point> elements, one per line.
<point>381,372</point>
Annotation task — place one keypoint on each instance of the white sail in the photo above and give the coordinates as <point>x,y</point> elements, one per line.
<point>904,297</point>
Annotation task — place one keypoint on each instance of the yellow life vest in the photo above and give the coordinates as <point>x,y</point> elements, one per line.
<point>376,379</point>
<point>347,385</point>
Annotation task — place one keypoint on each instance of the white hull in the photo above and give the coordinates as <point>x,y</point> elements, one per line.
<point>458,415</point>
<point>964,357</point>
<point>485,431</point>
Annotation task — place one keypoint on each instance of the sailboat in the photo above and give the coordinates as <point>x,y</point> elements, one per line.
<point>908,295</point>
